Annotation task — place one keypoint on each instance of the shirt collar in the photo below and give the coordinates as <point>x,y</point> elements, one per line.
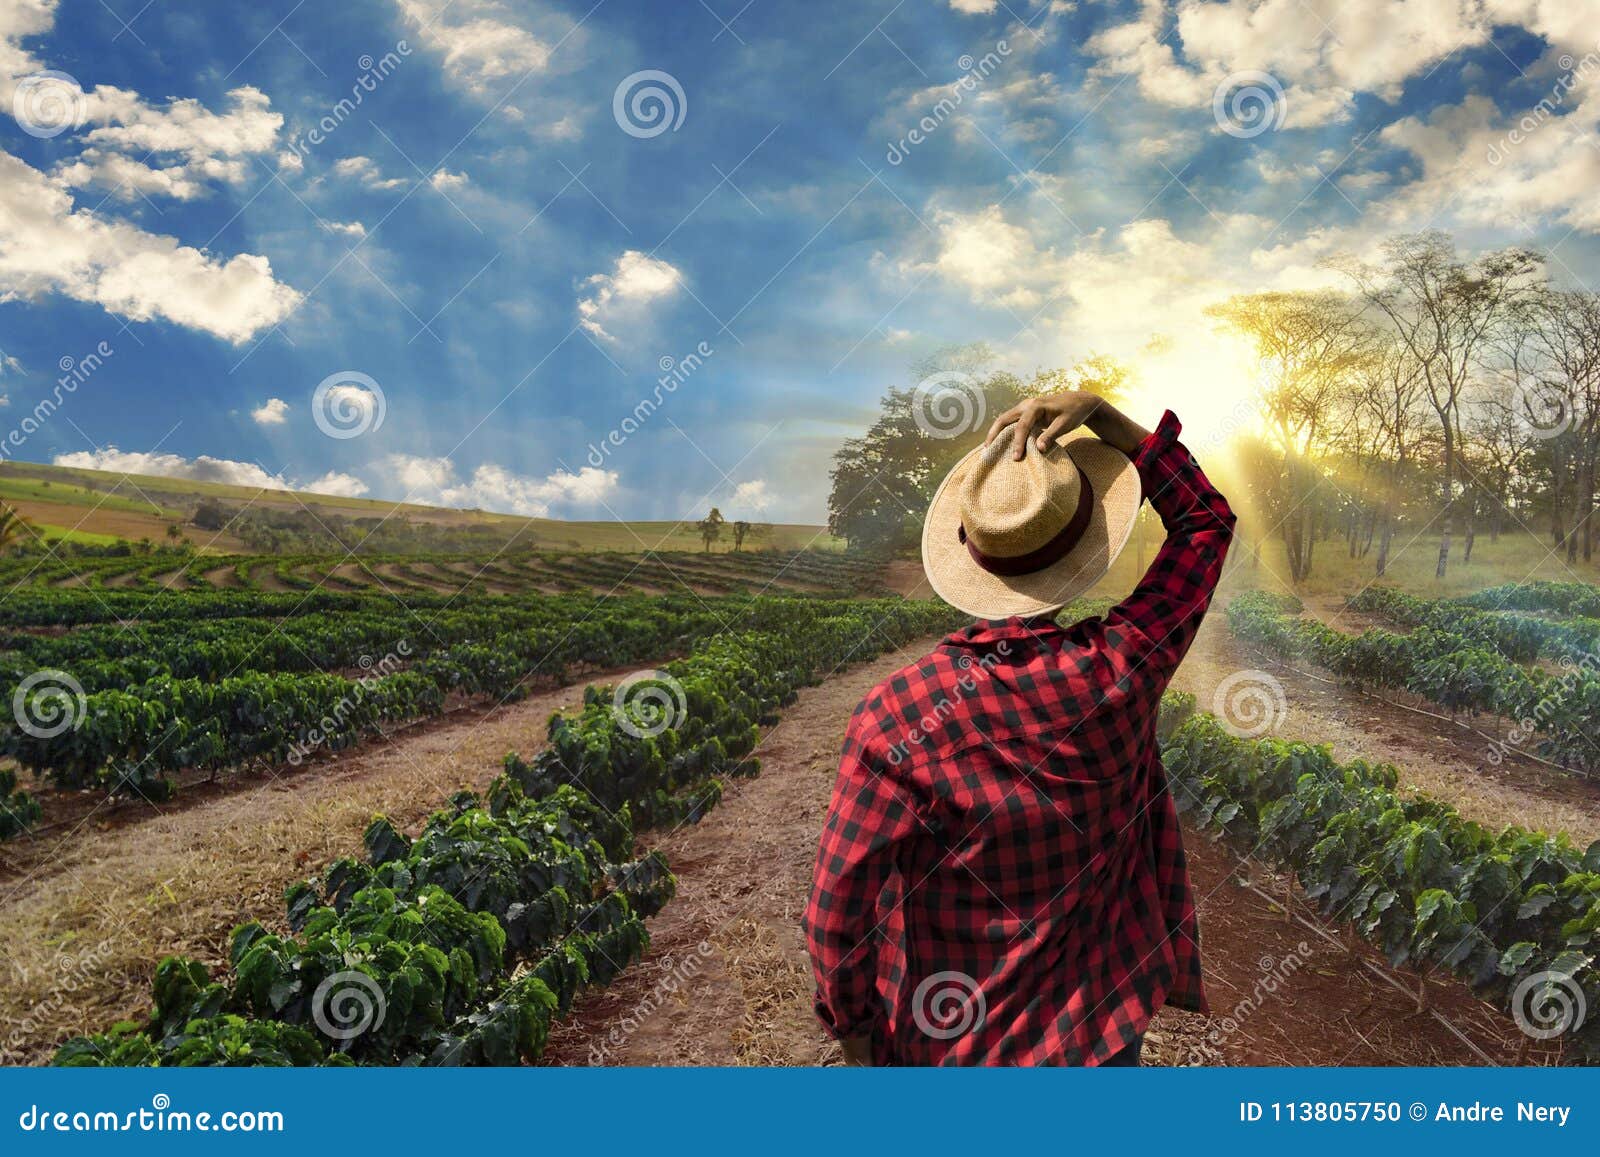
<point>987,632</point>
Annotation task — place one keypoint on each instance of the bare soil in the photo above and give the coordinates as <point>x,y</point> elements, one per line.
<point>103,901</point>
<point>727,981</point>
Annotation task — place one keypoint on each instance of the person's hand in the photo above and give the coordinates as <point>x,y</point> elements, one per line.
<point>857,1051</point>
<point>1053,416</point>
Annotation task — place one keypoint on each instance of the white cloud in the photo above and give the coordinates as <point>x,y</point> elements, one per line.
<point>272,412</point>
<point>492,487</point>
<point>339,485</point>
<point>203,146</point>
<point>1323,52</point>
<point>353,229</point>
<point>9,364</point>
<point>975,7</point>
<point>1489,168</point>
<point>637,280</point>
<point>483,50</point>
<point>750,497</point>
<point>47,246</point>
<point>366,171</point>
<point>446,182</point>
<point>202,469</point>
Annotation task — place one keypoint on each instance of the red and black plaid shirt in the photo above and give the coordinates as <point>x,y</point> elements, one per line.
<point>1001,878</point>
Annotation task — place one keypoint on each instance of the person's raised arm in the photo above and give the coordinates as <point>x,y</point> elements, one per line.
<point>1161,617</point>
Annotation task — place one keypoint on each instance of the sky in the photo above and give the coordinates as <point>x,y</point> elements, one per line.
<point>632,258</point>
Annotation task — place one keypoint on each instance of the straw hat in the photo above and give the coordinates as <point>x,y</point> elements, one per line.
<point>1004,537</point>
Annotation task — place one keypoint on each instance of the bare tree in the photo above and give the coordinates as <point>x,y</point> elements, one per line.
<point>1444,312</point>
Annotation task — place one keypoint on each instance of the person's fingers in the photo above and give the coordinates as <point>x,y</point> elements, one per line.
<point>1001,423</point>
<point>1048,436</point>
<point>1026,420</point>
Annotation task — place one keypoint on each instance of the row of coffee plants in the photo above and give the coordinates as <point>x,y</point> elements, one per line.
<point>19,811</point>
<point>1515,913</point>
<point>1443,667</point>
<point>1553,597</point>
<point>1518,635</point>
<point>130,737</point>
<point>461,946</point>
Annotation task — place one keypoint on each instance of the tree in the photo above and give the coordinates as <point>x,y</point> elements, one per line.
<point>13,528</point>
<point>1309,347</point>
<point>710,527</point>
<point>174,532</point>
<point>740,529</point>
<point>884,480</point>
<point>1444,311</point>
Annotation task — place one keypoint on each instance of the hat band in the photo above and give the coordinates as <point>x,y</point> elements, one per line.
<point>1059,546</point>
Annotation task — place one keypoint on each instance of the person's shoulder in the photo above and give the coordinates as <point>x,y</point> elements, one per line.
<point>884,705</point>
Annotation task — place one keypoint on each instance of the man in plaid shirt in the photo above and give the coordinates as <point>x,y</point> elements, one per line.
<point>1001,878</point>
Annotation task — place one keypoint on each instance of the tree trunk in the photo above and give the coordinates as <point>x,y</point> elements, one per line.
<point>1449,499</point>
<point>1384,540</point>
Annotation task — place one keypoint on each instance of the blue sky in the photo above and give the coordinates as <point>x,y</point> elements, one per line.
<point>486,242</point>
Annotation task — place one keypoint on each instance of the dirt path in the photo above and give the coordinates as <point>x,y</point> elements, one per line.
<point>726,980</point>
<point>80,933</point>
<point>1447,760</point>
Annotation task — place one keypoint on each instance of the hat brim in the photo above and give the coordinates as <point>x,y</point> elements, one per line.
<point>958,579</point>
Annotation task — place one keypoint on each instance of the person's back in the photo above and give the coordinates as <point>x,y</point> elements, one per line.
<point>1001,877</point>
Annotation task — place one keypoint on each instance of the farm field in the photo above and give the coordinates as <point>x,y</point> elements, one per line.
<point>136,506</point>
<point>192,814</point>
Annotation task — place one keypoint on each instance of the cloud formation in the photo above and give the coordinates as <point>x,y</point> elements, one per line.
<point>621,295</point>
